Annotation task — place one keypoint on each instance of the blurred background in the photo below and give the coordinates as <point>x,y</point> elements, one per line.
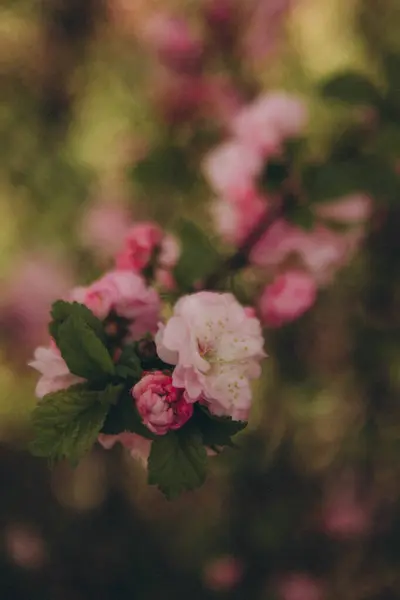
<point>108,112</point>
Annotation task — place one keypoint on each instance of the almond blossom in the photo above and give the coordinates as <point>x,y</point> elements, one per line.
<point>217,349</point>
<point>268,121</point>
<point>125,293</point>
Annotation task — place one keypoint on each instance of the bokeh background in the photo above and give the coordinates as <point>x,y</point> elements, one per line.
<point>102,125</point>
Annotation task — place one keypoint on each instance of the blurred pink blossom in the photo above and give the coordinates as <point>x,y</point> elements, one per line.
<point>161,405</point>
<point>231,169</point>
<point>139,244</point>
<point>175,45</point>
<point>268,121</point>
<point>25,546</point>
<point>264,28</point>
<point>345,512</point>
<point>25,302</point>
<point>300,586</point>
<point>223,573</point>
<point>354,209</point>
<point>235,220</point>
<point>103,227</point>
<point>289,296</point>
<point>138,446</point>
<point>322,251</point>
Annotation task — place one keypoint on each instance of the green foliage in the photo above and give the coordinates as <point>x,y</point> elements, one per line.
<point>66,423</point>
<point>391,65</point>
<point>387,141</point>
<point>84,353</point>
<point>129,363</point>
<point>351,88</point>
<point>178,461</point>
<point>61,310</point>
<point>302,216</point>
<point>123,416</point>
<point>372,175</point>
<point>217,431</point>
<point>198,256</point>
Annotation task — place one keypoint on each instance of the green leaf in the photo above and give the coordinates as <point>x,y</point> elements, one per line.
<point>123,416</point>
<point>84,353</point>
<point>177,462</point>
<point>198,256</point>
<point>217,431</point>
<point>66,423</point>
<point>129,363</point>
<point>302,216</point>
<point>61,310</point>
<point>391,66</point>
<point>371,175</point>
<point>351,88</point>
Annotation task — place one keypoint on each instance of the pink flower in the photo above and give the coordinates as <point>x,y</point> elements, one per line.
<point>265,28</point>
<point>99,297</point>
<point>169,252</point>
<point>55,374</point>
<point>350,210</point>
<point>278,242</point>
<point>268,121</point>
<point>289,296</point>
<point>140,243</point>
<point>125,293</point>
<point>322,251</point>
<point>231,168</point>
<point>300,586</point>
<point>223,574</point>
<point>161,405</point>
<point>103,228</point>
<point>138,446</point>
<point>217,349</point>
<point>175,45</point>
<point>235,220</point>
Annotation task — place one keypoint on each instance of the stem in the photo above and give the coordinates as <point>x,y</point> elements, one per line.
<point>240,258</point>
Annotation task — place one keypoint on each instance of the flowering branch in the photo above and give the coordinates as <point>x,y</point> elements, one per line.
<point>240,258</point>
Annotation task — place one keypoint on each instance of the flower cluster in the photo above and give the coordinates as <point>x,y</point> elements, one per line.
<point>296,260</point>
<point>115,371</point>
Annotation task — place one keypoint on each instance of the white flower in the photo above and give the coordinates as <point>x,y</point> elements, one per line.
<point>217,348</point>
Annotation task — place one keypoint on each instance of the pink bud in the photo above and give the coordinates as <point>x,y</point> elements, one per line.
<point>161,405</point>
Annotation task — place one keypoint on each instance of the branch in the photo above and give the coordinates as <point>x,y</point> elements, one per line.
<point>240,258</point>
